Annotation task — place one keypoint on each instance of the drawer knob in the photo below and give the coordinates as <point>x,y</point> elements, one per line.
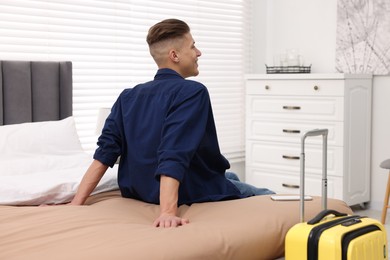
<point>290,131</point>
<point>291,186</point>
<point>316,88</point>
<point>289,157</point>
<point>291,107</point>
<point>267,87</point>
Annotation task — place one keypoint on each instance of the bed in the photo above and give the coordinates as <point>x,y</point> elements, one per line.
<point>41,161</point>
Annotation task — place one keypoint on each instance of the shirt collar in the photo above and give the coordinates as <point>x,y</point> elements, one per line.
<point>166,73</point>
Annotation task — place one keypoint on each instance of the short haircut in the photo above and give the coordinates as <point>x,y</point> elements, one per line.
<point>166,29</point>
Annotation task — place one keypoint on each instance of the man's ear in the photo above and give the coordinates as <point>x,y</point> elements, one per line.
<point>173,56</point>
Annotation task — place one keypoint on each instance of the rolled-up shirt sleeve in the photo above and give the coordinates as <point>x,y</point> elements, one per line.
<point>110,141</point>
<point>182,132</point>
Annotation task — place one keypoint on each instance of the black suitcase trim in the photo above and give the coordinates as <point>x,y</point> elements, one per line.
<point>348,237</point>
<point>315,234</point>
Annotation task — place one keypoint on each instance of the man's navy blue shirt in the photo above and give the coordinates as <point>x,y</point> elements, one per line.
<point>166,126</point>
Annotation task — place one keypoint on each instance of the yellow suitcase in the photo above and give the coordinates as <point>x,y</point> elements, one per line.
<point>338,237</point>
<point>332,235</point>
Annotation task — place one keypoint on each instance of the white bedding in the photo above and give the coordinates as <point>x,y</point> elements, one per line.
<point>47,179</point>
<point>44,162</point>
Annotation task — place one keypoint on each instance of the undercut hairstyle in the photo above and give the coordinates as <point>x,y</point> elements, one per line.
<point>166,29</point>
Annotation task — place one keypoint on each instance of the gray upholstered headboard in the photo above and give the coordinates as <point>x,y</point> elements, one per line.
<point>32,91</point>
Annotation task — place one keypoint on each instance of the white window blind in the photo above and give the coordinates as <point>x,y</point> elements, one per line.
<point>105,40</point>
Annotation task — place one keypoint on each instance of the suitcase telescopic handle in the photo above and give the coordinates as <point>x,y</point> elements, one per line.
<point>323,214</point>
<point>315,132</point>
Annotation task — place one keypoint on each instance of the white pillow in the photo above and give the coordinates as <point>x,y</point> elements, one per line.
<point>24,164</point>
<point>44,162</point>
<point>49,137</point>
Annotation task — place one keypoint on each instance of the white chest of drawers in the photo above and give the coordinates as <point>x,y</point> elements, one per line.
<point>280,107</point>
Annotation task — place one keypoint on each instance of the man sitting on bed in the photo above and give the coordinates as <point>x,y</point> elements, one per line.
<point>164,133</point>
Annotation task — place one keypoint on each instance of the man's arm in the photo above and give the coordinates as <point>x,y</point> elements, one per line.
<point>169,190</point>
<point>89,182</point>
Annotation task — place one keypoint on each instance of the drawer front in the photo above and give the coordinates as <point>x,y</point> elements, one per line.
<point>296,87</point>
<point>323,108</point>
<point>286,158</point>
<point>290,184</point>
<point>291,131</point>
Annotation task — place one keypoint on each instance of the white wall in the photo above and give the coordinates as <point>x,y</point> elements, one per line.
<point>310,26</point>
<point>380,139</point>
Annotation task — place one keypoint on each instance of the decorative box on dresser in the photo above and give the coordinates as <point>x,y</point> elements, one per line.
<point>281,107</point>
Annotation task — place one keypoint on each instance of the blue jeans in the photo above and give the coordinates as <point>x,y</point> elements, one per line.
<point>246,189</point>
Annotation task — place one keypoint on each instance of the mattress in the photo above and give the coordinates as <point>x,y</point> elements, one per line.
<point>112,227</point>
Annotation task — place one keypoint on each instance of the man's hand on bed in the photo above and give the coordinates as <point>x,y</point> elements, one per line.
<point>169,190</point>
<point>168,220</point>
